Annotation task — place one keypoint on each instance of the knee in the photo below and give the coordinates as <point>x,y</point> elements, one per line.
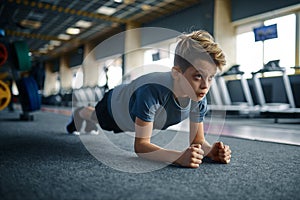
<point>86,113</point>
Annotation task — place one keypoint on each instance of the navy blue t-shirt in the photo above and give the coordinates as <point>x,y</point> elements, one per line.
<point>151,99</point>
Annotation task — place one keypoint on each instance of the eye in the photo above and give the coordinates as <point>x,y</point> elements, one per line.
<point>211,78</point>
<point>198,76</point>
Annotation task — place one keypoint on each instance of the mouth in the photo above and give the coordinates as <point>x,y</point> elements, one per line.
<point>202,94</point>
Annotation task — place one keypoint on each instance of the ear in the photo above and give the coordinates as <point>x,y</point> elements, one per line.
<point>176,72</point>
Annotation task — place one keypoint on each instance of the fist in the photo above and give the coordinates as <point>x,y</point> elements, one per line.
<point>220,153</point>
<point>191,157</point>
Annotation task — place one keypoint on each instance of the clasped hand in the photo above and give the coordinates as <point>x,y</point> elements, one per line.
<point>192,156</point>
<point>220,153</point>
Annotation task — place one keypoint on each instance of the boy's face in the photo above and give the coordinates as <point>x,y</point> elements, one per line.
<point>199,77</point>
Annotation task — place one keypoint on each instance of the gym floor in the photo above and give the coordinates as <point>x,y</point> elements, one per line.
<point>38,160</point>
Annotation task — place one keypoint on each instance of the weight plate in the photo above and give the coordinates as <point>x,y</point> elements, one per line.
<point>33,95</point>
<point>36,95</point>
<point>5,95</point>
<point>22,53</point>
<point>3,54</point>
<point>29,96</point>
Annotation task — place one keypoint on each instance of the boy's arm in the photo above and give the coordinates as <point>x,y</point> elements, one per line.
<point>191,157</point>
<point>197,136</point>
<point>217,152</point>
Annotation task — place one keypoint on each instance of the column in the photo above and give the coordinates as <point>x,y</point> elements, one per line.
<point>134,55</point>
<point>66,74</point>
<point>297,59</point>
<point>50,80</point>
<point>90,67</point>
<point>224,31</point>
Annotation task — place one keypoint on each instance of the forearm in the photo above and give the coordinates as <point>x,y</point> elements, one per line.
<point>153,152</point>
<point>197,137</point>
<point>206,147</point>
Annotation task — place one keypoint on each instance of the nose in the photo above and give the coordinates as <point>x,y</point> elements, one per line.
<point>204,84</point>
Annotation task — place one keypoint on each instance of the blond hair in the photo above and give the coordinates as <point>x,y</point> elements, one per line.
<point>198,45</point>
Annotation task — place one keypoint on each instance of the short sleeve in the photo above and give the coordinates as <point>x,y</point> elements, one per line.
<point>145,103</point>
<point>198,110</point>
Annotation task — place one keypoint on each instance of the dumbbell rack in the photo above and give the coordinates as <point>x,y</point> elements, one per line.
<point>28,90</point>
<point>25,115</point>
<point>5,93</point>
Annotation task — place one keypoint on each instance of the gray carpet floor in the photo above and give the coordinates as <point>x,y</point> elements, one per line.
<point>38,160</point>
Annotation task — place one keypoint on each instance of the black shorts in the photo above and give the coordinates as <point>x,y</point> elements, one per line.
<point>105,120</point>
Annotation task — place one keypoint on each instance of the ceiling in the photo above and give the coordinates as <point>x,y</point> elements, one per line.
<point>43,23</point>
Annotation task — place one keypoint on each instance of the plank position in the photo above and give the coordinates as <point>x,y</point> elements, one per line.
<point>161,99</point>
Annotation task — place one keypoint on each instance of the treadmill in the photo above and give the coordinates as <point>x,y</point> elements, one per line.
<point>243,106</point>
<point>275,110</point>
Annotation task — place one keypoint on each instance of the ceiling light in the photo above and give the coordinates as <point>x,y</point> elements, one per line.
<point>55,42</point>
<point>30,24</point>
<point>43,50</point>
<point>114,25</point>
<point>50,47</point>
<point>118,1</point>
<point>73,31</point>
<point>129,1</point>
<point>83,24</point>
<point>146,7</point>
<point>64,36</point>
<point>106,10</point>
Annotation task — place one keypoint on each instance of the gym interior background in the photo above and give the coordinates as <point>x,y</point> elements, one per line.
<point>49,60</point>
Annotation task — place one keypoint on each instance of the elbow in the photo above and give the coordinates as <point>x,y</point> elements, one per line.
<point>139,153</point>
<point>140,148</point>
<point>139,145</point>
<point>198,141</point>
<point>137,148</point>
<point>201,141</point>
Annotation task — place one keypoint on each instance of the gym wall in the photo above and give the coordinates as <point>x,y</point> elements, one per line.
<point>245,8</point>
<point>200,16</point>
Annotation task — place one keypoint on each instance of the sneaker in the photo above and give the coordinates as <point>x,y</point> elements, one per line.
<point>76,133</point>
<point>90,126</point>
<point>75,123</point>
<point>94,132</point>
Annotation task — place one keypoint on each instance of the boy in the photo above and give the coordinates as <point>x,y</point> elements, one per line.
<point>159,100</point>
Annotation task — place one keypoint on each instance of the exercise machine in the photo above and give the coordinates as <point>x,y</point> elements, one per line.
<point>236,99</point>
<point>275,109</point>
<point>19,62</point>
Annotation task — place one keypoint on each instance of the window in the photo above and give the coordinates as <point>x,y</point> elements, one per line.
<point>252,55</point>
<point>283,47</point>
<point>249,53</point>
<point>110,72</point>
<point>77,81</point>
<point>161,54</point>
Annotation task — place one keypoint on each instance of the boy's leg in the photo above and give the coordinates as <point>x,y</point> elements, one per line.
<point>82,114</point>
<point>76,121</point>
<point>88,114</point>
